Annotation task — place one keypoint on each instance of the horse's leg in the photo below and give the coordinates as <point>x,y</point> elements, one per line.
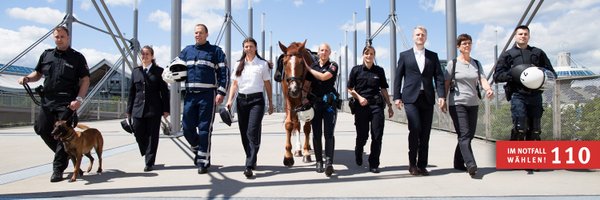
<point>288,160</point>
<point>297,145</point>
<point>306,146</point>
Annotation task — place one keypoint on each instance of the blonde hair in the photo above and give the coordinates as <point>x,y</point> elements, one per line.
<point>421,28</point>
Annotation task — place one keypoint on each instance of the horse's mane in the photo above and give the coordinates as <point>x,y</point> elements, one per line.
<point>296,48</point>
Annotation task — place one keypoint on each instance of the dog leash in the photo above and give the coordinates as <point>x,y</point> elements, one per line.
<point>30,93</point>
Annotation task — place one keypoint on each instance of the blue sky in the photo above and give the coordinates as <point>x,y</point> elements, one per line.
<point>561,25</point>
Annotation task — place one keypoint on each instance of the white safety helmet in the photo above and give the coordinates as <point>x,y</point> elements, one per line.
<point>537,78</point>
<point>305,113</point>
<point>176,72</point>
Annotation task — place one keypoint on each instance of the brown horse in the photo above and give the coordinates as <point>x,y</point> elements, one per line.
<point>295,59</point>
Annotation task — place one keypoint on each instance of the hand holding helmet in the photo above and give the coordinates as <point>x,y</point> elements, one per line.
<point>175,72</point>
<point>305,112</point>
<point>533,77</point>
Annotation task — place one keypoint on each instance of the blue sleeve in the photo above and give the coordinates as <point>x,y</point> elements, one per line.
<point>222,72</point>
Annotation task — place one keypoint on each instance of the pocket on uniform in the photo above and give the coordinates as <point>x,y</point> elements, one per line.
<point>68,72</point>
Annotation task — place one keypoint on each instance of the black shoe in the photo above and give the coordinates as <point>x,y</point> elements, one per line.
<point>358,153</point>
<point>328,170</point>
<point>202,170</point>
<point>472,170</point>
<point>320,167</point>
<point>460,168</point>
<point>413,170</point>
<point>423,172</point>
<point>248,172</point>
<point>374,170</point>
<point>56,177</point>
<point>148,168</point>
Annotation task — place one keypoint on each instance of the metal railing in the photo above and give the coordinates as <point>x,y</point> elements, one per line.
<point>576,116</point>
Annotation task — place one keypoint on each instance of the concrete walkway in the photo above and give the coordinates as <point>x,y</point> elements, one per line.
<point>25,169</point>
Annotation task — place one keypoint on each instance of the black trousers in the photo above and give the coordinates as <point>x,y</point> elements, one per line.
<point>465,124</point>
<point>250,114</point>
<point>324,122</point>
<point>420,116</point>
<point>146,131</point>
<point>44,124</point>
<point>365,118</point>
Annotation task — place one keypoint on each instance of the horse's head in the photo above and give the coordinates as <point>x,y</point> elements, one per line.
<point>295,58</point>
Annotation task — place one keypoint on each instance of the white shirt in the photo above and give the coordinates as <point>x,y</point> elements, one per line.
<point>420,57</point>
<point>146,68</point>
<point>253,77</point>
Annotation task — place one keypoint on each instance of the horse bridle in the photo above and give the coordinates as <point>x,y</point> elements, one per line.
<point>294,78</point>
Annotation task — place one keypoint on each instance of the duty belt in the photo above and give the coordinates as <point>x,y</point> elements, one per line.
<point>250,96</point>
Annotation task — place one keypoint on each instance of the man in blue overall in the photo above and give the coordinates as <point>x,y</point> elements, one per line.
<point>206,85</point>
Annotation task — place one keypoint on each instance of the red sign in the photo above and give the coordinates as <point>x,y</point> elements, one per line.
<point>548,154</point>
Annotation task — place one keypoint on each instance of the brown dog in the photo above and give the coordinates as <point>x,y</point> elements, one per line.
<point>79,143</point>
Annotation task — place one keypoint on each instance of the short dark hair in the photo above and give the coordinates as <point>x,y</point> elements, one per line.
<point>63,28</point>
<point>463,37</point>
<point>525,27</point>
<point>203,26</point>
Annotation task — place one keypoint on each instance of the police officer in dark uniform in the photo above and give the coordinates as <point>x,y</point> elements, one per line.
<point>526,104</point>
<point>324,98</point>
<point>66,83</point>
<point>148,100</point>
<point>368,85</point>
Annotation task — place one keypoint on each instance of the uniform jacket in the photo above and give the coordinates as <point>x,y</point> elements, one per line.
<point>516,56</point>
<point>207,68</point>
<point>148,94</point>
<point>62,71</point>
<point>408,70</point>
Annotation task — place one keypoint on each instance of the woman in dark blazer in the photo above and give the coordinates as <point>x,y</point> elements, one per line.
<point>148,101</point>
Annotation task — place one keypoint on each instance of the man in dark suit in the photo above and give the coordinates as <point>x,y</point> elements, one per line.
<point>148,101</point>
<point>418,67</point>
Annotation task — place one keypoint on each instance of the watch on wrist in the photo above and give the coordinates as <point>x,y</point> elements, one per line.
<point>80,99</point>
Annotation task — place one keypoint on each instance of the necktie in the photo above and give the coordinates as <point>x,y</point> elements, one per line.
<point>146,71</point>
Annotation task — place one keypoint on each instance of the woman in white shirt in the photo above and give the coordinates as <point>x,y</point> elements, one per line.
<point>251,76</point>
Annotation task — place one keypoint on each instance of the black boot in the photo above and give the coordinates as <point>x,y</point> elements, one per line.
<point>320,167</point>
<point>358,154</point>
<point>57,176</point>
<point>328,167</point>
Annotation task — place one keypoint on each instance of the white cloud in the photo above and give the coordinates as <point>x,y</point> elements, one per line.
<point>198,7</point>
<point>569,25</point>
<point>43,15</point>
<point>298,3</point>
<point>86,4</point>
<point>362,27</point>
<point>162,18</point>
<point>208,12</point>
<point>162,54</point>
<point>93,56</point>
<point>120,2</point>
<point>14,42</point>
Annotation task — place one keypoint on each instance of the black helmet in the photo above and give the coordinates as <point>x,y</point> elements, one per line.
<point>126,125</point>
<point>516,72</point>
<point>225,116</point>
